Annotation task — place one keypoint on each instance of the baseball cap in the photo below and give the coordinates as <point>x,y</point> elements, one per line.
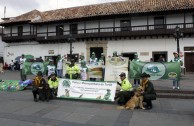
<point>122,74</point>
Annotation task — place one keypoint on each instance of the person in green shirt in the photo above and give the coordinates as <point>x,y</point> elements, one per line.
<point>136,80</point>
<point>176,83</point>
<point>126,91</point>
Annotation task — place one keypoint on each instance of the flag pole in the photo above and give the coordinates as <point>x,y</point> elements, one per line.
<point>4,11</point>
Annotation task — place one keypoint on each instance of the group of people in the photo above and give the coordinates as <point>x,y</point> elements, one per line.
<point>176,83</point>
<point>45,90</point>
<point>127,91</point>
<point>73,71</point>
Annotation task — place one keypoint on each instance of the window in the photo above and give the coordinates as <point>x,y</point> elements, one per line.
<point>125,25</point>
<point>20,30</point>
<point>73,28</point>
<point>159,22</point>
<point>59,30</point>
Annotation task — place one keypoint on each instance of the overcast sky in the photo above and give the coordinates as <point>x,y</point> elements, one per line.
<point>18,7</point>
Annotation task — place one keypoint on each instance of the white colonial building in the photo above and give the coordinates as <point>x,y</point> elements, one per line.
<point>145,27</point>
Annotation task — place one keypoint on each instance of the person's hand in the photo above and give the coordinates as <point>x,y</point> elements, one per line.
<point>40,87</point>
<point>119,83</point>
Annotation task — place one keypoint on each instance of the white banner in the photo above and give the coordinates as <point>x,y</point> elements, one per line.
<point>114,67</point>
<point>86,90</point>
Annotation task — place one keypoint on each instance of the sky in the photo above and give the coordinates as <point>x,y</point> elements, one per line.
<point>18,7</point>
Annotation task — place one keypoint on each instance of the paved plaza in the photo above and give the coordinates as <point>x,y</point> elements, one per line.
<point>19,109</point>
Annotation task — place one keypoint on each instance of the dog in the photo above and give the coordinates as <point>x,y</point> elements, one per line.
<point>46,92</point>
<point>135,101</point>
<point>67,93</point>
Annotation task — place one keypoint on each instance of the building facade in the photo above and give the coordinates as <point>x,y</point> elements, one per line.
<point>145,27</point>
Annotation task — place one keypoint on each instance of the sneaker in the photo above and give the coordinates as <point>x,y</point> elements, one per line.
<point>178,88</point>
<point>173,87</point>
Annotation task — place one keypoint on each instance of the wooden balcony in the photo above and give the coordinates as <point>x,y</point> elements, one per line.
<point>14,37</point>
<point>107,32</point>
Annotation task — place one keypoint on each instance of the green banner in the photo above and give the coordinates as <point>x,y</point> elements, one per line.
<point>157,70</point>
<point>11,85</point>
<point>30,68</point>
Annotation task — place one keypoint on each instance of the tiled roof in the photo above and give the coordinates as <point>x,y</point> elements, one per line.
<point>125,7</point>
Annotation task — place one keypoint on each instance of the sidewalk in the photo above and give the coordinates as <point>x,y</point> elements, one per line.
<point>186,83</point>
<point>19,109</point>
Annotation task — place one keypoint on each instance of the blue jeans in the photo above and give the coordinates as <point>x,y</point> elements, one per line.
<point>59,73</point>
<point>176,83</point>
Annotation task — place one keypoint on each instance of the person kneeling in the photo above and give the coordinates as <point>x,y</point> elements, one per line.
<point>38,84</point>
<point>53,84</point>
<point>149,93</point>
<point>126,91</point>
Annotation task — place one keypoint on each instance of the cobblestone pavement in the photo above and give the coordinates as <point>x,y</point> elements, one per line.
<point>19,109</point>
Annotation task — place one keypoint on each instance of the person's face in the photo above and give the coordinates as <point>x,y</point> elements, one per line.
<point>144,78</point>
<point>136,56</point>
<point>53,77</point>
<point>175,55</point>
<point>22,56</point>
<point>122,78</point>
<point>39,77</point>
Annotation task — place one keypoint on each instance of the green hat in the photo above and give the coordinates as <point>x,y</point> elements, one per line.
<point>135,54</point>
<point>102,53</point>
<point>93,53</point>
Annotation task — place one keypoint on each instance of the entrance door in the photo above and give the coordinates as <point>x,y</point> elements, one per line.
<point>156,56</point>
<point>129,55</point>
<point>189,61</point>
<point>97,50</point>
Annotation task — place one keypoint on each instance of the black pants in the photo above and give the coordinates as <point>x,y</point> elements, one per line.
<point>148,103</point>
<point>35,92</point>
<point>124,96</point>
<point>137,81</point>
<point>23,77</point>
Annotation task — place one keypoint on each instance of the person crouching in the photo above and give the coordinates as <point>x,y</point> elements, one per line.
<point>53,84</point>
<point>38,83</point>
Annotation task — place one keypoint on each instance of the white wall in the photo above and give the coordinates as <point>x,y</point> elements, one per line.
<point>38,50</point>
<point>1,47</point>
<point>148,45</point>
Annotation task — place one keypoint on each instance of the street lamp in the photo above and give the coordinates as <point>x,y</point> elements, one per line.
<point>71,39</point>
<point>177,35</point>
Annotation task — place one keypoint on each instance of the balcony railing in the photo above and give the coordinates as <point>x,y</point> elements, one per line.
<point>143,30</point>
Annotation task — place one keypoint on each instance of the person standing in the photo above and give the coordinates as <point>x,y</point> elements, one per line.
<point>148,93</point>
<point>59,66</point>
<point>12,65</point>
<point>93,62</point>
<point>22,60</point>
<point>73,70</point>
<point>136,80</point>
<point>126,91</point>
<point>176,83</point>
<point>51,68</point>
<point>83,71</point>
<point>102,61</point>
<point>161,59</point>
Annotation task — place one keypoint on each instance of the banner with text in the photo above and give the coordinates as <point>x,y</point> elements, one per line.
<point>95,71</point>
<point>86,90</point>
<point>114,67</point>
<point>157,70</point>
<point>33,67</point>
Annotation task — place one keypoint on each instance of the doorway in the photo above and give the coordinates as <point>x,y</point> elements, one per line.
<point>189,61</point>
<point>97,50</point>
<point>156,55</point>
<point>54,58</point>
<point>129,55</point>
